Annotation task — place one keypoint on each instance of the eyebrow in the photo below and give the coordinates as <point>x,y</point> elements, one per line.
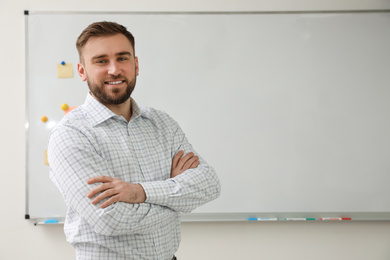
<point>123,53</point>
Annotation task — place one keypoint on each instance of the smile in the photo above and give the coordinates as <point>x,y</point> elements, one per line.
<point>114,82</point>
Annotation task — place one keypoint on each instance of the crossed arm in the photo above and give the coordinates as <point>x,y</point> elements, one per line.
<point>121,210</point>
<point>69,173</point>
<point>115,189</point>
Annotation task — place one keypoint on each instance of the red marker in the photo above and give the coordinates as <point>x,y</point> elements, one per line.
<point>336,219</point>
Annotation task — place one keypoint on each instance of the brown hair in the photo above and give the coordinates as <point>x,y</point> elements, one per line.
<point>101,29</point>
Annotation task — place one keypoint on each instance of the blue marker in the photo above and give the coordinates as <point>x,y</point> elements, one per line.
<point>51,221</point>
<point>263,219</point>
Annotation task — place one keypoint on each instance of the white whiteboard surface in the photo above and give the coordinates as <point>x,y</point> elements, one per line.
<point>291,109</point>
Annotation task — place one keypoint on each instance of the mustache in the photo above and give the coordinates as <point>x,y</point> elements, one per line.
<point>116,78</point>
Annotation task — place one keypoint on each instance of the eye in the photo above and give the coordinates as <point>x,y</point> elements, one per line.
<point>100,61</point>
<point>122,58</point>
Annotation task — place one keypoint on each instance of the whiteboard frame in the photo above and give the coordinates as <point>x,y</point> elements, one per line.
<point>198,217</point>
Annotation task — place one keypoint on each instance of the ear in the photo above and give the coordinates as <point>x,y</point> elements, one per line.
<point>81,71</point>
<point>136,66</point>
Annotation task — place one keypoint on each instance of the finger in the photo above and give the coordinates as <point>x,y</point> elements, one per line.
<point>103,195</point>
<point>177,158</point>
<point>112,200</point>
<point>188,164</point>
<point>100,188</point>
<point>184,160</point>
<point>195,164</point>
<point>102,178</point>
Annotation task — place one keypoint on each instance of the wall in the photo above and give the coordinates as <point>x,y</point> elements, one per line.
<point>20,239</point>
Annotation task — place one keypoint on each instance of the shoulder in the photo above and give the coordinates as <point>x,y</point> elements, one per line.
<point>74,121</point>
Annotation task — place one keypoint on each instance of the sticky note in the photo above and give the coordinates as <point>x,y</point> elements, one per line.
<point>45,160</point>
<point>64,71</point>
<point>69,109</point>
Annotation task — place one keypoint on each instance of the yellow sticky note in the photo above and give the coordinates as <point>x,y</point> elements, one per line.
<point>64,71</point>
<point>45,160</point>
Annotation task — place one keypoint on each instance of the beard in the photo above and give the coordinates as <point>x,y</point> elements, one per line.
<point>111,96</point>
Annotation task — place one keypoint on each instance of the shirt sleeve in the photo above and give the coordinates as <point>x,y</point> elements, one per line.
<point>73,160</point>
<point>189,190</point>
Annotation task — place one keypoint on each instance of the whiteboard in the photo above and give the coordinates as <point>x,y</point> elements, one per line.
<point>291,109</point>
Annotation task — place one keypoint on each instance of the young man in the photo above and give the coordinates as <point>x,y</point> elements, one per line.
<point>125,172</point>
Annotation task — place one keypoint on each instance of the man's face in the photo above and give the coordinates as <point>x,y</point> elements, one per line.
<point>110,68</point>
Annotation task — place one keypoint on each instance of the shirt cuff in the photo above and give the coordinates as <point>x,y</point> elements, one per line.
<point>160,192</point>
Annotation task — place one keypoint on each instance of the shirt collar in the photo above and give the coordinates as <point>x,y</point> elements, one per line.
<point>99,113</point>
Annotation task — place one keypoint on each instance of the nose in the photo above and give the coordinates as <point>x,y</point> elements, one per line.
<point>114,69</point>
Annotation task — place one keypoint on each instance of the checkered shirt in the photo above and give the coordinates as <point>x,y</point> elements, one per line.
<point>92,141</point>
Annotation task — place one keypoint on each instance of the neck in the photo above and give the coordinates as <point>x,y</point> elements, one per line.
<point>123,109</point>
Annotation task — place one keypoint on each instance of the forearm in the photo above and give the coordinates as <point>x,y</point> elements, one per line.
<point>186,191</point>
<point>118,218</point>
<point>125,218</point>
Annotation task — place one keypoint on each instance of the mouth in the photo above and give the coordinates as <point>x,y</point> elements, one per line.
<point>114,82</point>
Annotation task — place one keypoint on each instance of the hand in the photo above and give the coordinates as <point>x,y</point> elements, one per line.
<point>181,164</point>
<point>115,190</point>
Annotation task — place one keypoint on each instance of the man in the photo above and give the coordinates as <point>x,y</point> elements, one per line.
<point>125,172</point>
